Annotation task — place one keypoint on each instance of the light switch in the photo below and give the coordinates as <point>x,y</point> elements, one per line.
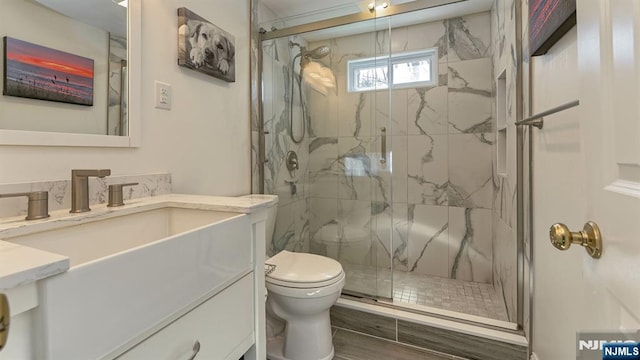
<point>163,95</point>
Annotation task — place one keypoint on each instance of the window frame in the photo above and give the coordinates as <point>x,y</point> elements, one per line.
<point>387,61</point>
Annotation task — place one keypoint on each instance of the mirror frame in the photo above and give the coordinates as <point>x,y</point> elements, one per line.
<point>134,54</point>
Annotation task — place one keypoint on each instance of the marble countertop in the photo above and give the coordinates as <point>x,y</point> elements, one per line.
<point>21,264</point>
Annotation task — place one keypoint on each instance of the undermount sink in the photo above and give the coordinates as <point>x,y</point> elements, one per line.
<point>89,241</point>
<point>129,271</point>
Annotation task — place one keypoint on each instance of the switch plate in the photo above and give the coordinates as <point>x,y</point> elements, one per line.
<point>163,95</point>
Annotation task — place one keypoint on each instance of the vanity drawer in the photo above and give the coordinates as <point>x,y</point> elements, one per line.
<point>223,325</point>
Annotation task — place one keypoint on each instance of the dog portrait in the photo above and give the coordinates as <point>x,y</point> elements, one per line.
<point>205,47</point>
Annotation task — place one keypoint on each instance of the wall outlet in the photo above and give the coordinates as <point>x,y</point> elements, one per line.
<point>163,95</point>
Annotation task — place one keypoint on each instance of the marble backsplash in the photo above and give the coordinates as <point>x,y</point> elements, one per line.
<point>60,191</point>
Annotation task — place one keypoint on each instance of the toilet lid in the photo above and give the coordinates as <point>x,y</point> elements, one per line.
<point>302,268</point>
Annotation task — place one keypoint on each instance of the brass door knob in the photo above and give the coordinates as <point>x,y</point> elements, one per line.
<point>590,237</point>
<point>4,320</point>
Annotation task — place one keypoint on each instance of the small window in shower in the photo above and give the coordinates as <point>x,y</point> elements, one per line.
<point>401,70</point>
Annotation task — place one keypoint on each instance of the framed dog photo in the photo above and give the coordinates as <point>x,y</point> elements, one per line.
<point>205,47</point>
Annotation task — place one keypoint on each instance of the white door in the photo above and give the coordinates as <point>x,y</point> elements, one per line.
<point>609,63</point>
<point>587,167</point>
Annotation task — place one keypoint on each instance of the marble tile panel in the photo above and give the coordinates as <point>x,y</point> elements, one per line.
<point>367,323</point>
<point>284,233</point>
<point>255,178</point>
<point>381,172</point>
<point>400,239</point>
<point>504,264</point>
<point>428,111</point>
<point>458,344</point>
<point>356,113</point>
<point>398,38</point>
<point>470,96</point>
<point>394,120</point>
<point>323,219</point>
<point>323,168</point>
<point>356,168</point>
<point>429,35</point>
<point>470,244</point>
<point>381,234</point>
<point>302,224</point>
<point>383,43</point>
<point>323,114</point>
<point>399,164</point>
<point>427,169</point>
<point>269,83</point>
<point>470,170</point>
<point>354,233</point>
<point>505,199</point>
<point>428,239</point>
<point>352,47</point>
<point>469,37</point>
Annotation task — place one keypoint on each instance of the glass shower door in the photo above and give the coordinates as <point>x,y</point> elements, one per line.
<point>360,236</point>
<point>337,203</point>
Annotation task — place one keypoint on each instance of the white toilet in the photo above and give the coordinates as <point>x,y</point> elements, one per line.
<point>301,288</point>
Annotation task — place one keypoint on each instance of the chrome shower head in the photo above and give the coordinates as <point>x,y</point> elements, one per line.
<point>317,53</point>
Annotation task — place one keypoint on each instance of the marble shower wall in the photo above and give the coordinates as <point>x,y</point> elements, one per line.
<point>503,18</point>
<point>437,201</point>
<point>292,187</point>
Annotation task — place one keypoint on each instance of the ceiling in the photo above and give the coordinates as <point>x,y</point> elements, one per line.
<point>103,14</point>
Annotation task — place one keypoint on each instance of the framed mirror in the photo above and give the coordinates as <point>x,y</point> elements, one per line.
<point>101,31</point>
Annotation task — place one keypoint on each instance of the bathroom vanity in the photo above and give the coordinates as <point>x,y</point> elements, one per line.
<point>164,277</point>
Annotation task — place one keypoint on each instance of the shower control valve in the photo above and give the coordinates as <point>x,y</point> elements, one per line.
<point>293,185</point>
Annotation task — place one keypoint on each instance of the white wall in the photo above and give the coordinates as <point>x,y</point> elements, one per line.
<point>203,141</point>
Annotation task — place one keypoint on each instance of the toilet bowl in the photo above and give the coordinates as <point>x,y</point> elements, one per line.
<point>301,289</point>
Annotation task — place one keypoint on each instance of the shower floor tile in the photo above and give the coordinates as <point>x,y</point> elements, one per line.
<point>465,297</point>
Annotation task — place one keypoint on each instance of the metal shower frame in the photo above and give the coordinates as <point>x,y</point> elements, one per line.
<point>258,35</point>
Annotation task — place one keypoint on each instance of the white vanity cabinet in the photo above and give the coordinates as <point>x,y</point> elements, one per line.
<point>144,281</point>
<point>22,302</point>
<point>223,326</point>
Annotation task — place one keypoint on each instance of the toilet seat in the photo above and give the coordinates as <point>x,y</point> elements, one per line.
<point>303,271</point>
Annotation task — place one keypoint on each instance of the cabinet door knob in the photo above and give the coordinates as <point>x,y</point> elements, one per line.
<point>4,320</point>
<point>196,350</point>
<point>590,237</point>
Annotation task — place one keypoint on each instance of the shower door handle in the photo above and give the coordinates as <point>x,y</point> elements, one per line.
<point>383,145</point>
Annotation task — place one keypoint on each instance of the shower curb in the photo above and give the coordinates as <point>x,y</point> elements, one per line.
<point>429,333</point>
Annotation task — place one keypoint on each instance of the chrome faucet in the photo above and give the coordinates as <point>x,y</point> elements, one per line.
<point>80,188</point>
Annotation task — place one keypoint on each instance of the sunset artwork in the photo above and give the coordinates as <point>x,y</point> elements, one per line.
<point>549,20</point>
<point>38,72</point>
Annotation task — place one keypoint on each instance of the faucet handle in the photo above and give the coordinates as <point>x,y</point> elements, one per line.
<point>115,194</point>
<point>38,206</point>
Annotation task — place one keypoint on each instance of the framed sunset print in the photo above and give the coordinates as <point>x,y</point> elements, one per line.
<point>38,72</point>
